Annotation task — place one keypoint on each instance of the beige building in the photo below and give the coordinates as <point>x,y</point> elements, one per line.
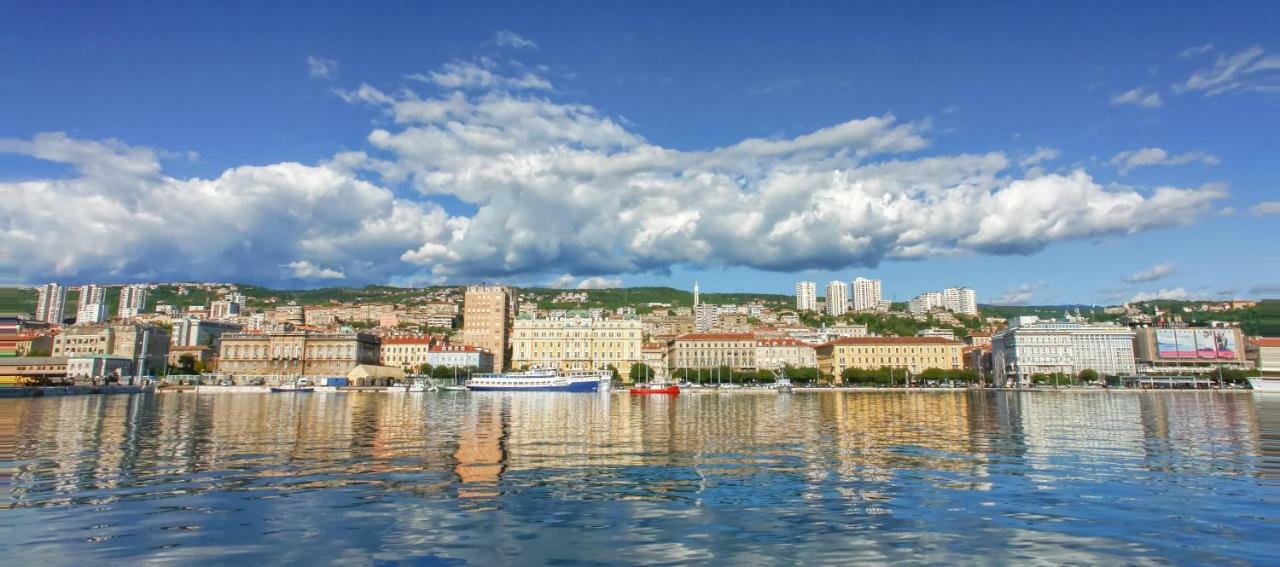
<point>485,311</point>
<point>870,353</point>
<point>709,350</point>
<point>779,353</point>
<point>125,341</point>
<point>577,342</point>
<point>409,353</point>
<point>296,353</point>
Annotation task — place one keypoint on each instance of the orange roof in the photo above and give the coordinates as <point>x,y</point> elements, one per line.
<point>716,337</point>
<point>1267,341</point>
<point>406,340</point>
<point>893,341</point>
<point>781,342</point>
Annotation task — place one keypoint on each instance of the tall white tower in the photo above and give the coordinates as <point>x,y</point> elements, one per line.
<point>695,295</point>
<point>806,296</point>
<point>837,298</point>
<point>866,294</point>
<point>51,303</point>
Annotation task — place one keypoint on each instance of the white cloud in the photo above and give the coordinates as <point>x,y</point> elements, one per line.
<point>469,75</point>
<point>1129,160</point>
<point>321,68</point>
<point>1251,69</point>
<point>555,188</point>
<point>1020,295</point>
<point>1156,272</point>
<point>599,282</point>
<point>304,269</point>
<point>1042,154</point>
<point>563,282</point>
<point>1265,208</point>
<point>1138,97</point>
<point>511,39</point>
<point>1193,51</point>
<point>1176,293</point>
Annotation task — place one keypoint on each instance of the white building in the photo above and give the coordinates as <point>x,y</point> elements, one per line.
<point>133,301</point>
<point>960,300</point>
<point>925,302</point>
<point>775,354</point>
<point>806,296</point>
<point>1030,346</point>
<point>837,298</point>
<point>706,317</point>
<point>51,302</point>
<point>461,356</point>
<point>91,313</point>
<point>224,309</point>
<point>192,332</point>
<point>866,294</point>
<point>91,294</point>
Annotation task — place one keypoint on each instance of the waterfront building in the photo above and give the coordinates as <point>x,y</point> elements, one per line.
<point>837,298</point>
<point>409,353</point>
<point>51,301</point>
<point>871,353</point>
<point>960,300</point>
<point>19,370</point>
<point>1266,355</point>
<point>461,357</point>
<point>144,343</point>
<point>192,332</point>
<point>577,342</point>
<point>97,369</point>
<point>777,353</point>
<point>806,296</point>
<point>1032,346</point>
<point>1189,350</point>
<point>133,301</point>
<point>296,353</point>
<point>654,355</point>
<point>866,294</point>
<point>201,354</point>
<point>485,312</point>
<point>709,350</point>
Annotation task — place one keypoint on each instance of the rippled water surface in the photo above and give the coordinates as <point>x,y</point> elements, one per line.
<point>977,477</point>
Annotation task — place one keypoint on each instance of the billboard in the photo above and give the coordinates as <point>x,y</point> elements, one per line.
<point>1177,343</point>
<point>1186,343</point>
<point>1166,343</point>
<point>1206,343</point>
<point>1225,343</point>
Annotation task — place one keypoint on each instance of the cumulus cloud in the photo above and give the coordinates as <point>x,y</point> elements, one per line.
<point>1156,272</point>
<point>599,282</point>
<point>552,187</point>
<point>1251,69</point>
<point>1041,155</point>
<point>1129,160</point>
<point>1177,293</point>
<point>1265,208</point>
<point>1022,294</point>
<point>1138,97</point>
<point>514,40</point>
<point>304,269</point>
<point>471,75</point>
<point>321,68</point>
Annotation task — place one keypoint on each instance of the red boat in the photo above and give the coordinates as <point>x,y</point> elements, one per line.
<point>655,389</point>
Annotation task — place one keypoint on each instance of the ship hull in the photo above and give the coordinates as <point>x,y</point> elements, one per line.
<point>570,387</point>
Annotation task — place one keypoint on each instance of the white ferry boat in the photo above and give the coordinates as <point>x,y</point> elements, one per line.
<point>538,380</point>
<point>1265,384</point>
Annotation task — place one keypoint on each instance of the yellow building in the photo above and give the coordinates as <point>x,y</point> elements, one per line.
<point>576,342</point>
<point>870,353</point>
<point>709,350</point>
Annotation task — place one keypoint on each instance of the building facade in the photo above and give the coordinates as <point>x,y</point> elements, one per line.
<point>577,342</point>
<point>775,354</point>
<point>1189,350</point>
<point>837,298</point>
<point>806,296</point>
<point>1030,346</point>
<point>710,350</point>
<point>296,353</point>
<point>485,313</point>
<point>192,332</point>
<point>960,300</point>
<point>133,301</point>
<point>138,343</point>
<point>409,353</point>
<point>461,357</point>
<point>915,354</point>
<point>925,302</point>
<point>91,313</point>
<point>866,294</point>
<point>51,302</point>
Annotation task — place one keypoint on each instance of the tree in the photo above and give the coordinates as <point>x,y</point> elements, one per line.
<point>614,375</point>
<point>1088,375</point>
<point>967,375</point>
<point>641,372</point>
<point>424,369</point>
<point>187,364</point>
<point>933,375</point>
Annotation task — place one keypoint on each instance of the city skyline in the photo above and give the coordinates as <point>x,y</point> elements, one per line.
<point>500,150</point>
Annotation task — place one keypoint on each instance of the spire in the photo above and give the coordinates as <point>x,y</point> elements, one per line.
<point>695,295</point>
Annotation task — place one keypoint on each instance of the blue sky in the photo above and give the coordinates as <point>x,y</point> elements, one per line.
<point>180,121</point>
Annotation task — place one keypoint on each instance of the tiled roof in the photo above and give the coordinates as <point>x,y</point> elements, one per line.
<point>716,337</point>
<point>1267,341</point>
<point>871,341</point>
<point>406,340</point>
<point>782,342</point>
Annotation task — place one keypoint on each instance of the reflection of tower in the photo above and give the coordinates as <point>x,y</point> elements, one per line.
<point>695,296</point>
<point>481,455</point>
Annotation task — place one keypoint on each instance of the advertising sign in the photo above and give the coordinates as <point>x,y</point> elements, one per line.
<point>1226,343</point>
<point>1206,343</point>
<point>1166,343</point>
<point>1186,343</point>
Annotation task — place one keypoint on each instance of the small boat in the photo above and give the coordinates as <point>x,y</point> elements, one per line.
<point>455,388</point>
<point>302,385</point>
<point>655,388</point>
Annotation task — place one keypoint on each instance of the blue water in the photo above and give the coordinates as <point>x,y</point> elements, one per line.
<point>731,479</point>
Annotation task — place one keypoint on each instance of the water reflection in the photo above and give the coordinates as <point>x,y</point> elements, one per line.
<point>502,478</point>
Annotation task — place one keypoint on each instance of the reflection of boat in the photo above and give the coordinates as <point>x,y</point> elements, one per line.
<point>455,388</point>
<point>1265,384</point>
<point>537,380</point>
<point>655,388</point>
<point>422,386</point>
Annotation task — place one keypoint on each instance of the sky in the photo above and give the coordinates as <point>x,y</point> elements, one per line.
<point>1041,153</point>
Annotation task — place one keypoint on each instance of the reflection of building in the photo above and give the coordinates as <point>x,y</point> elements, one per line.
<point>296,353</point>
<point>1161,350</point>
<point>871,353</point>
<point>484,320</point>
<point>1030,346</point>
<point>576,342</point>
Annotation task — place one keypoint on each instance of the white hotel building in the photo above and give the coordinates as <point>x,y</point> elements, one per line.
<point>1030,346</point>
